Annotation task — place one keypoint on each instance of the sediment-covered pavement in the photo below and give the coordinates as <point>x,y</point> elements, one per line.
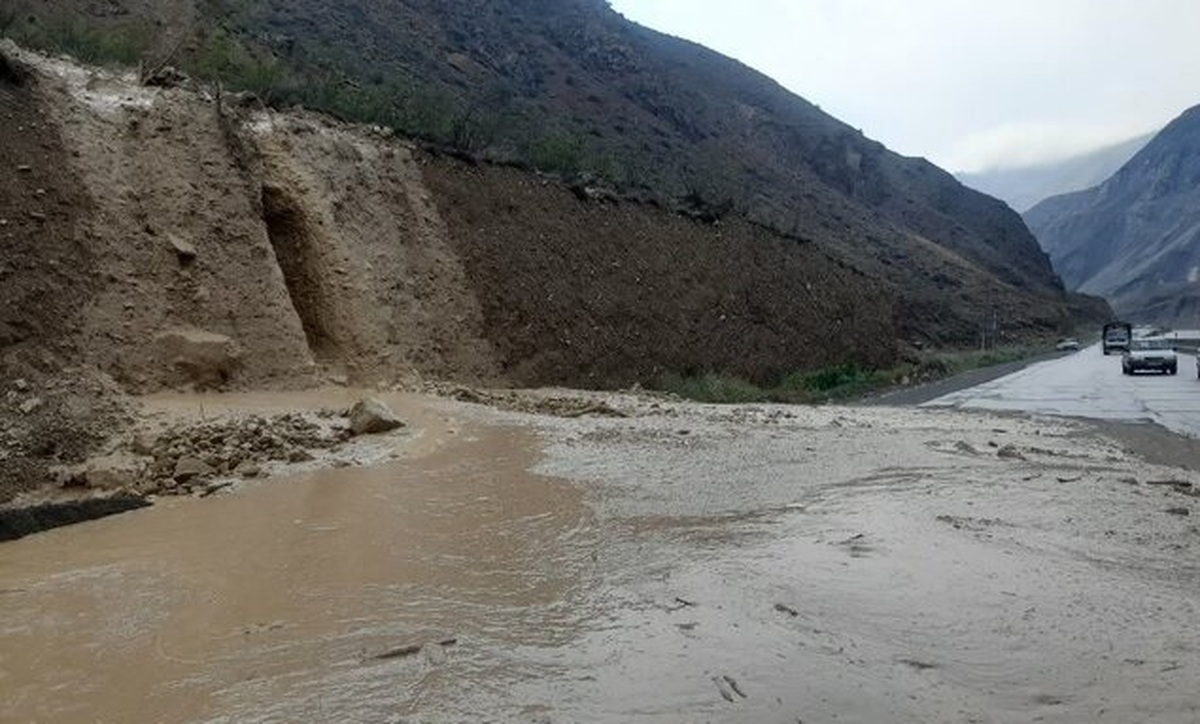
<point>682,563</point>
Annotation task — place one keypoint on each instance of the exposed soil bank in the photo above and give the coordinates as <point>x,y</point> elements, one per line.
<point>213,244</point>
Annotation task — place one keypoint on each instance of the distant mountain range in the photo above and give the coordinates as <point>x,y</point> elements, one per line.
<point>1023,187</point>
<point>1135,238</point>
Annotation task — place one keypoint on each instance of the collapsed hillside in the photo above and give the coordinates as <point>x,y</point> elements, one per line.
<point>209,242</point>
<point>572,87</point>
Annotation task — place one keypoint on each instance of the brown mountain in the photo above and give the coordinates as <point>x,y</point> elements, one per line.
<point>570,86</point>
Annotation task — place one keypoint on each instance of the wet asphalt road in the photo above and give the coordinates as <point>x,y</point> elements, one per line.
<point>1088,384</point>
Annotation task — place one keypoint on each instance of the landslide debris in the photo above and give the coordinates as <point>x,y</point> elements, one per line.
<point>187,456</point>
<point>52,420</point>
<point>531,402</point>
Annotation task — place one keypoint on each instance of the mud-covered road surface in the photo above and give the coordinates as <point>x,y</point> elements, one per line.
<point>687,563</point>
<point>1089,384</point>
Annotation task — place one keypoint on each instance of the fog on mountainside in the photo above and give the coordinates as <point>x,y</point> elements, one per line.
<point>1024,186</point>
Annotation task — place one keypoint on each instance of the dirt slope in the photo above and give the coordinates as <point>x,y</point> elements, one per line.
<point>601,292</point>
<point>365,256</point>
<point>210,245</point>
<point>572,87</point>
<point>224,245</point>
<point>186,288</point>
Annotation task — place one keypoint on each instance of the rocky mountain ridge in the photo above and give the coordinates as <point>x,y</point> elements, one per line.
<point>1135,238</point>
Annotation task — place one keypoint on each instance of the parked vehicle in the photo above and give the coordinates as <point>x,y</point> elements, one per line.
<point>1150,353</point>
<point>1067,344</point>
<point>1116,337</point>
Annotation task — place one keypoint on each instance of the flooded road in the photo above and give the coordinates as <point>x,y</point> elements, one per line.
<point>1089,384</point>
<point>688,563</point>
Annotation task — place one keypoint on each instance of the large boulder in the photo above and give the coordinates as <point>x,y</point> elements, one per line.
<point>370,416</point>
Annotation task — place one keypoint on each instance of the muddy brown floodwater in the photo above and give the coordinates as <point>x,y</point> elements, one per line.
<point>688,563</point>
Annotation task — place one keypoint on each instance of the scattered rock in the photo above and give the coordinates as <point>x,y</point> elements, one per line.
<point>184,249</point>
<point>300,455</point>
<point>411,649</point>
<point>214,488</point>
<point>37,216</point>
<point>370,416</point>
<point>784,608</point>
<point>236,446</point>
<point>168,76</point>
<point>24,168</point>
<point>918,664</point>
<point>20,385</point>
<point>188,468</point>
<point>30,405</point>
<point>1010,452</point>
<point>523,402</point>
<point>248,469</point>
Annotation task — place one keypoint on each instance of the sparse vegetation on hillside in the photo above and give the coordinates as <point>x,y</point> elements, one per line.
<point>573,89</point>
<point>126,44</point>
<point>837,382</point>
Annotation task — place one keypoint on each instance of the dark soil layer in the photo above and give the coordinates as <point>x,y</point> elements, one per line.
<point>46,274</point>
<point>603,293</point>
<point>47,277</point>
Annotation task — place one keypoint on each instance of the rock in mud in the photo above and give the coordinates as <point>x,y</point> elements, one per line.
<point>185,250</point>
<point>189,468</point>
<point>248,469</point>
<point>1010,452</point>
<point>370,416</point>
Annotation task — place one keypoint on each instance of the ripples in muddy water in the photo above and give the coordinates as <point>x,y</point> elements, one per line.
<point>280,603</point>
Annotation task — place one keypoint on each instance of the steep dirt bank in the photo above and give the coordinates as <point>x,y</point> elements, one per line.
<point>217,244</point>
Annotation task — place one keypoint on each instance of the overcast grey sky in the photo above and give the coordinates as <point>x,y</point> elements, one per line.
<point>969,84</point>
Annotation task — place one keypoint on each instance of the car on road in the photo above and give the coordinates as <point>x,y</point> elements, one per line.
<point>1149,353</point>
<point>1067,344</point>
